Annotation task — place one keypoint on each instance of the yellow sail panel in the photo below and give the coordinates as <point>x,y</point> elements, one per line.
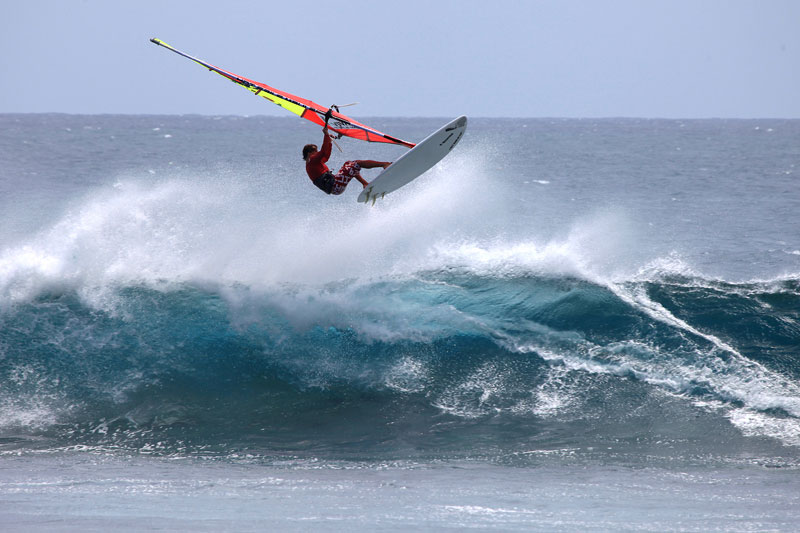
<point>286,104</point>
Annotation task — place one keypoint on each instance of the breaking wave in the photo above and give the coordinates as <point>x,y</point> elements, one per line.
<point>181,317</point>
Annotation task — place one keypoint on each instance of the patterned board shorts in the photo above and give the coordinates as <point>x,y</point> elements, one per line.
<point>349,170</point>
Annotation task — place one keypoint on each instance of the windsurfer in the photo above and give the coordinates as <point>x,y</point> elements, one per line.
<point>321,175</point>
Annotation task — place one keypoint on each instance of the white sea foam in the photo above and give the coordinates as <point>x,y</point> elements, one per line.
<point>178,229</point>
<point>407,375</point>
<point>758,424</point>
<point>39,409</point>
<point>473,397</point>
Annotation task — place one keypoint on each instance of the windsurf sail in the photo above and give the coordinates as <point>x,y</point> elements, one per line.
<point>306,109</point>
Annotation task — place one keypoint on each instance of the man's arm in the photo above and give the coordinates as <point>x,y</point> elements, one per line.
<point>325,151</point>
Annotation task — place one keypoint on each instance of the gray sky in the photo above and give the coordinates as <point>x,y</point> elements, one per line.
<point>500,58</point>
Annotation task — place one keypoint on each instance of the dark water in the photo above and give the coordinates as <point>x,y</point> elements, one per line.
<point>618,299</point>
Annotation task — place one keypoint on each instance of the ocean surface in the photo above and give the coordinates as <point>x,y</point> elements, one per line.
<point>567,325</point>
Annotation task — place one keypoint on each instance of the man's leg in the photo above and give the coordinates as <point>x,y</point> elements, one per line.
<point>348,171</point>
<point>368,163</point>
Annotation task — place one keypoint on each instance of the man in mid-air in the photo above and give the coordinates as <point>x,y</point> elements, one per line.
<point>321,175</point>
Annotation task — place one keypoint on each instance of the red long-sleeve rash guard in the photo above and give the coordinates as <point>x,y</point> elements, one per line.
<point>315,166</point>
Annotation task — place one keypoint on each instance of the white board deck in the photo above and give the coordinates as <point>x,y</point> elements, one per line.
<point>416,161</point>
